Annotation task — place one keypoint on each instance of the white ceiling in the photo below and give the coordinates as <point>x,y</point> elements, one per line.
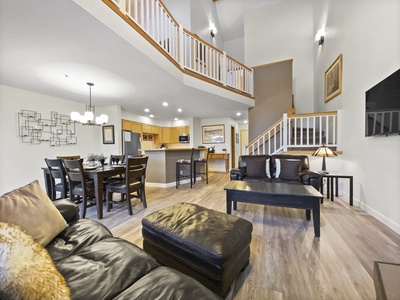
<point>55,47</point>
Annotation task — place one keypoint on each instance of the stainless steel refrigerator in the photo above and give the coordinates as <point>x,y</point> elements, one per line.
<point>131,143</point>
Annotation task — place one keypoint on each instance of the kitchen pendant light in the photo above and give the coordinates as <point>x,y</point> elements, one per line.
<point>88,117</point>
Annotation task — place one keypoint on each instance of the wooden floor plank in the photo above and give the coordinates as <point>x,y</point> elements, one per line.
<point>287,261</point>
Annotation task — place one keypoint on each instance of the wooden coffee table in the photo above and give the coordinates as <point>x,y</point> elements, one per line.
<point>276,194</point>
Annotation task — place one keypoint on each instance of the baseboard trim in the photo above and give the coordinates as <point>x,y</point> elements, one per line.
<point>377,215</point>
<point>169,184</point>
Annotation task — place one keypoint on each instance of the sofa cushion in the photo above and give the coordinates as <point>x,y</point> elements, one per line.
<point>256,167</point>
<point>104,269</point>
<point>288,169</point>
<point>27,271</point>
<point>22,206</point>
<point>166,283</point>
<point>76,236</point>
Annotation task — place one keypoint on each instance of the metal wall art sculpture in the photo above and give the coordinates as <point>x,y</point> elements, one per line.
<point>58,130</point>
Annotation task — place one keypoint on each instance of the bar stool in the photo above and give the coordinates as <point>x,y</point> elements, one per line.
<point>180,163</point>
<point>201,161</point>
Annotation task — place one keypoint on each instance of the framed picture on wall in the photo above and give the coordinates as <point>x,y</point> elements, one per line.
<point>333,79</point>
<point>108,134</point>
<point>237,138</point>
<point>213,134</point>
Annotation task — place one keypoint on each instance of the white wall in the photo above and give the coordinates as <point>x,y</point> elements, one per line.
<point>217,165</point>
<point>367,33</point>
<point>280,31</point>
<point>180,10</point>
<point>202,13</point>
<point>235,48</point>
<point>20,162</point>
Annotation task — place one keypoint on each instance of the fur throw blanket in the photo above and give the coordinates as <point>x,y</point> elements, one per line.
<point>26,269</point>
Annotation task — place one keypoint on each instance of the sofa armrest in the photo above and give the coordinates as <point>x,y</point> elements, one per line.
<point>311,178</point>
<point>237,174</point>
<point>68,209</point>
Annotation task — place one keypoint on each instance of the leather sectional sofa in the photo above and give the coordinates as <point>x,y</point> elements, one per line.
<point>97,265</point>
<point>276,168</point>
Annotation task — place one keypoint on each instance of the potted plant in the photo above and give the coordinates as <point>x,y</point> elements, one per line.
<point>91,158</point>
<point>101,158</point>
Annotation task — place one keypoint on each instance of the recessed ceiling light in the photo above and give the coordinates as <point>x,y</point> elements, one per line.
<point>165,103</point>
<point>146,110</point>
<point>176,119</point>
<point>151,116</point>
<point>238,114</point>
<point>245,121</point>
<point>179,109</point>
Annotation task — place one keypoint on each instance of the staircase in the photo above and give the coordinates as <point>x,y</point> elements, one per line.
<point>299,132</point>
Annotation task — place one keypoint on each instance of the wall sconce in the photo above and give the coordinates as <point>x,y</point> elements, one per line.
<point>320,36</point>
<point>213,29</point>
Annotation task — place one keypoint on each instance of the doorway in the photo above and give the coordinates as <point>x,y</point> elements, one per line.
<point>233,153</point>
<point>244,140</point>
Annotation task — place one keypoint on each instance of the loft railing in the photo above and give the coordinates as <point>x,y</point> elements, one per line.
<point>185,48</point>
<point>297,131</point>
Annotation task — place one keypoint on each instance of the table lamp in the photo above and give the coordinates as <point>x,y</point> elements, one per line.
<point>323,152</point>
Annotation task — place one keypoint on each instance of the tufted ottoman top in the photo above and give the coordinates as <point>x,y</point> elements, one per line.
<point>197,232</point>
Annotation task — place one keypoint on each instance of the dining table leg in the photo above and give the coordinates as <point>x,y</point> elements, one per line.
<point>98,188</point>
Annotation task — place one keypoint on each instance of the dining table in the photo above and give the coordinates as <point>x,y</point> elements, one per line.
<point>98,175</point>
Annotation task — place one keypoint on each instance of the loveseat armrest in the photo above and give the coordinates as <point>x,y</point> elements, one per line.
<point>237,174</point>
<point>311,178</point>
<point>68,209</point>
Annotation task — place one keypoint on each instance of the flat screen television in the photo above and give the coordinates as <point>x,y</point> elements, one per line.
<point>382,107</point>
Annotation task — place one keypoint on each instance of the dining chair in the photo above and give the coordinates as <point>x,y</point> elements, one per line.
<point>180,163</point>
<point>134,182</point>
<point>116,159</point>
<point>79,185</point>
<point>58,178</point>
<point>69,157</point>
<point>197,163</point>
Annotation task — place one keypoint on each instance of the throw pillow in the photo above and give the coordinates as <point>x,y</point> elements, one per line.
<point>290,169</point>
<point>268,168</point>
<point>26,269</point>
<point>30,208</point>
<point>255,167</point>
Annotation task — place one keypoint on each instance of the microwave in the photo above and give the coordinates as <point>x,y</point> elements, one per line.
<point>184,138</point>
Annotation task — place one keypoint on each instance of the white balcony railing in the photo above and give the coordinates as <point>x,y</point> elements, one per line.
<point>298,131</point>
<point>188,50</point>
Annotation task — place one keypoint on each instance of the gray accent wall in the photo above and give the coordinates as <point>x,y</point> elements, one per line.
<point>273,94</point>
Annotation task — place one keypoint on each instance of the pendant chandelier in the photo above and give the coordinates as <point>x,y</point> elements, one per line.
<point>88,117</point>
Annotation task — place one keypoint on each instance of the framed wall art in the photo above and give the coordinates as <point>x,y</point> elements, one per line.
<point>213,134</point>
<point>108,134</point>
<point>333,79</point>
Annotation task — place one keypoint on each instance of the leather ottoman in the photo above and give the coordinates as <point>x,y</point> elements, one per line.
<point>210,246</point>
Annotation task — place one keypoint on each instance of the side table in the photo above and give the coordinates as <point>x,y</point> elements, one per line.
<point>386,280</point>
<point>330,187</point>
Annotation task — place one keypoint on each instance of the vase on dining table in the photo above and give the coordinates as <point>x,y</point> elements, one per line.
<point>102,162</point>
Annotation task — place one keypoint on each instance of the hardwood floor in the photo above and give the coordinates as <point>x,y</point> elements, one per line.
<point>287,261</point>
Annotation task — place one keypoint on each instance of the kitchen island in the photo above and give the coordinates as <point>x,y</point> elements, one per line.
<point>161,166</point>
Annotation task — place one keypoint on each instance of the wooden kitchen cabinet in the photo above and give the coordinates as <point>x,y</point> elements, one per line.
<point>131,126</point>
<point>146,128</point>
<point>136,127</point>
<point>166,134</point>
<point>174,135</point>
<point>155,129</point>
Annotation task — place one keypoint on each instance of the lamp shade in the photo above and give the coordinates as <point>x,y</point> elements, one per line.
<point>324,151</point>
